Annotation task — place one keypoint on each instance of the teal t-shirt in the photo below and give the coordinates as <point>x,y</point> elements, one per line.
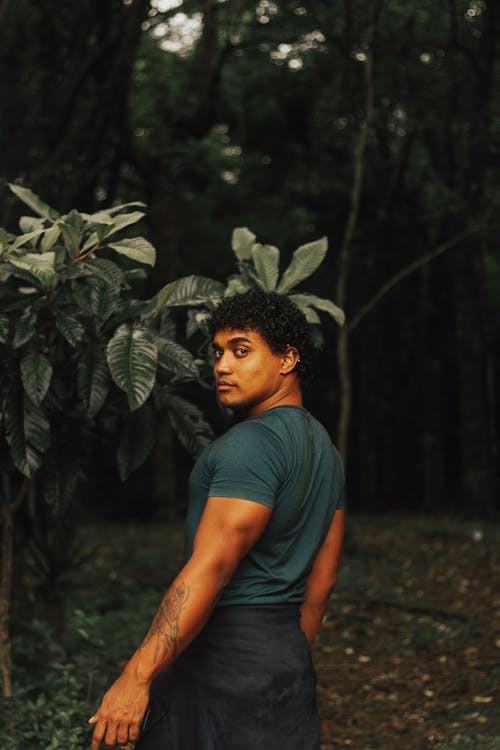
<point>282,458</point>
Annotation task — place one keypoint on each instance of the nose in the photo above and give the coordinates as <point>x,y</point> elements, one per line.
<point>222,365</point>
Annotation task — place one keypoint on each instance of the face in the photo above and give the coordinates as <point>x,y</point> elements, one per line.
<point>248,375</point>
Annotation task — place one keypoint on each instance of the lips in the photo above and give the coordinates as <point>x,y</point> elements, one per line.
<point>223,386</point>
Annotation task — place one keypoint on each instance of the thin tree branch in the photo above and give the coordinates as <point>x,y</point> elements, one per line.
<point>407,271</point>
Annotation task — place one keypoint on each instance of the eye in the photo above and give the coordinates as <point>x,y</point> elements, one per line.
<point>240,351</point>
<point>217,353</point>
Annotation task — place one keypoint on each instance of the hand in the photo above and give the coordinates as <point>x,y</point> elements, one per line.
<point>118,719</point>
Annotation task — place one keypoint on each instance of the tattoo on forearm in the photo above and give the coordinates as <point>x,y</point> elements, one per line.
<point>165,627</point>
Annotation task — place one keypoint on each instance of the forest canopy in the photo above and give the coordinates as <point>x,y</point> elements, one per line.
<point>375,124</point>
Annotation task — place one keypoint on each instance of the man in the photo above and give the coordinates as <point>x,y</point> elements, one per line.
<point>226,663</point>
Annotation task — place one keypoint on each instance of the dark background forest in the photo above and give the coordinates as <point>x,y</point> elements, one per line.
<point>376,124</point>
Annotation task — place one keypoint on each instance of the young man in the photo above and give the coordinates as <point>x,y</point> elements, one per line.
<point>226,663</point>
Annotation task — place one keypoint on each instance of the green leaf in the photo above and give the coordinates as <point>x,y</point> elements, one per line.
<point>36,374</point>
<point>24,329</point>
<point>187,420</point>
<point>70,328</point>
<point>305,261</point>
<point>195,321</point>
<point>71,237</point>
<point>29,224</point>
<point>176,360</point>
<point>108,226</point>
<point>137,248</point>
<point>34,202</point>
<point>137,437</point>
<point>241,242</point>
<point>108,271</point>
<point>236,285</point>
<point>27,431</point>
<point>132,356</point>
<point>132,204</point>
<point>311,315</point>
<point>4,328</point>
<point>190,290</point>
<point>24,239</point>
<point>266,261</point>
<point>93,378</point>
<point>311,300</point>
<point>104,300</point>
<point>42,266</point>
<point>50,237</point>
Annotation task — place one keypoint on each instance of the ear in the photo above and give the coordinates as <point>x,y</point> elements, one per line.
<point>288,360</point>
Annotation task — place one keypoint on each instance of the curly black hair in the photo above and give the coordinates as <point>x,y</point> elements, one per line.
<point>278,320</point>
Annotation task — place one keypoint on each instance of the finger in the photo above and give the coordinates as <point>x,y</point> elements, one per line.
<point>123,734</point>
<point>97,736</point>
<point>110,740</point>
<point>93,720</point>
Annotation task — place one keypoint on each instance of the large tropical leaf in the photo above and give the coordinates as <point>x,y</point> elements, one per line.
<point>31,224</point>
<point>34,202</point>
<point>104,300</point>
<point>305,261</point>
<point>311,315</point>
<point>137,437</point>
<point>108,271</point>
<point>266,260</point>
<point>4,328</point>
<point>27,431</point>
<point>50,237</point>
<point>25,239</point>
<point>242,241</point>
<point>137,248</point>
<point>41,265</point>
<point>22,273</point>
<point>187,420</point>
<point>69,327</point>
<point>24,329</point>
<point>177,361</point>
<point>188,291</point>
<point>93,378</point>
<point>132,356</point>
<point>36,374</point>
<point>237,285</point>
<point>311,300</point>
<point>109,225</point>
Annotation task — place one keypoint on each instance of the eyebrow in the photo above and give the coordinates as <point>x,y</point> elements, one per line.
<point>234,340</point>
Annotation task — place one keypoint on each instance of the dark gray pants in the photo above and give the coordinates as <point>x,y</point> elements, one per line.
<point>246,683</point>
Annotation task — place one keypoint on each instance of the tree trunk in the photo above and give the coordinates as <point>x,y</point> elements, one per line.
<point>8,512</point>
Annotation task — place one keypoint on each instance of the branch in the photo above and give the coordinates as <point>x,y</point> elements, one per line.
<point>404,272</point>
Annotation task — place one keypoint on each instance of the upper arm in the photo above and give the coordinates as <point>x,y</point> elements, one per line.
<point>228,529</point>
<point>324,571</point>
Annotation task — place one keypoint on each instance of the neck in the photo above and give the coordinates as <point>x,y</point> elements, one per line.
<point>289,395</point>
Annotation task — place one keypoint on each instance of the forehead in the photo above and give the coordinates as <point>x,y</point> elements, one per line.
<point>229,336</point>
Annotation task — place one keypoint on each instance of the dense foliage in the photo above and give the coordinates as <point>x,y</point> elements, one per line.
<point>219,114</point>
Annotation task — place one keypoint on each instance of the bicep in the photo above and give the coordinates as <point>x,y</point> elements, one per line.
<point>228,529</point>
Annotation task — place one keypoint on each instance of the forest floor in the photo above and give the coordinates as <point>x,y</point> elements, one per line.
<point>409,654</point>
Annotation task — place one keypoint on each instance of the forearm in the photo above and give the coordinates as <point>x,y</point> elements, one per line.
<point>184,610</point>
<point>311,617</point>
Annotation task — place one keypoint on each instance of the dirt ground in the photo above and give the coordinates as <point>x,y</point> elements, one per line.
<point>409,656</point>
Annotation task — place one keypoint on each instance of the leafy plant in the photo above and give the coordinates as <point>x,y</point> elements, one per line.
<point>80,355</point>
<point>258,266</point>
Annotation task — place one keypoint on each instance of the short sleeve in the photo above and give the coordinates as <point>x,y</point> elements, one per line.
<point>247,463</point>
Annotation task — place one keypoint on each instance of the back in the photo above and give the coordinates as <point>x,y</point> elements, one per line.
<point>282,458</point>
